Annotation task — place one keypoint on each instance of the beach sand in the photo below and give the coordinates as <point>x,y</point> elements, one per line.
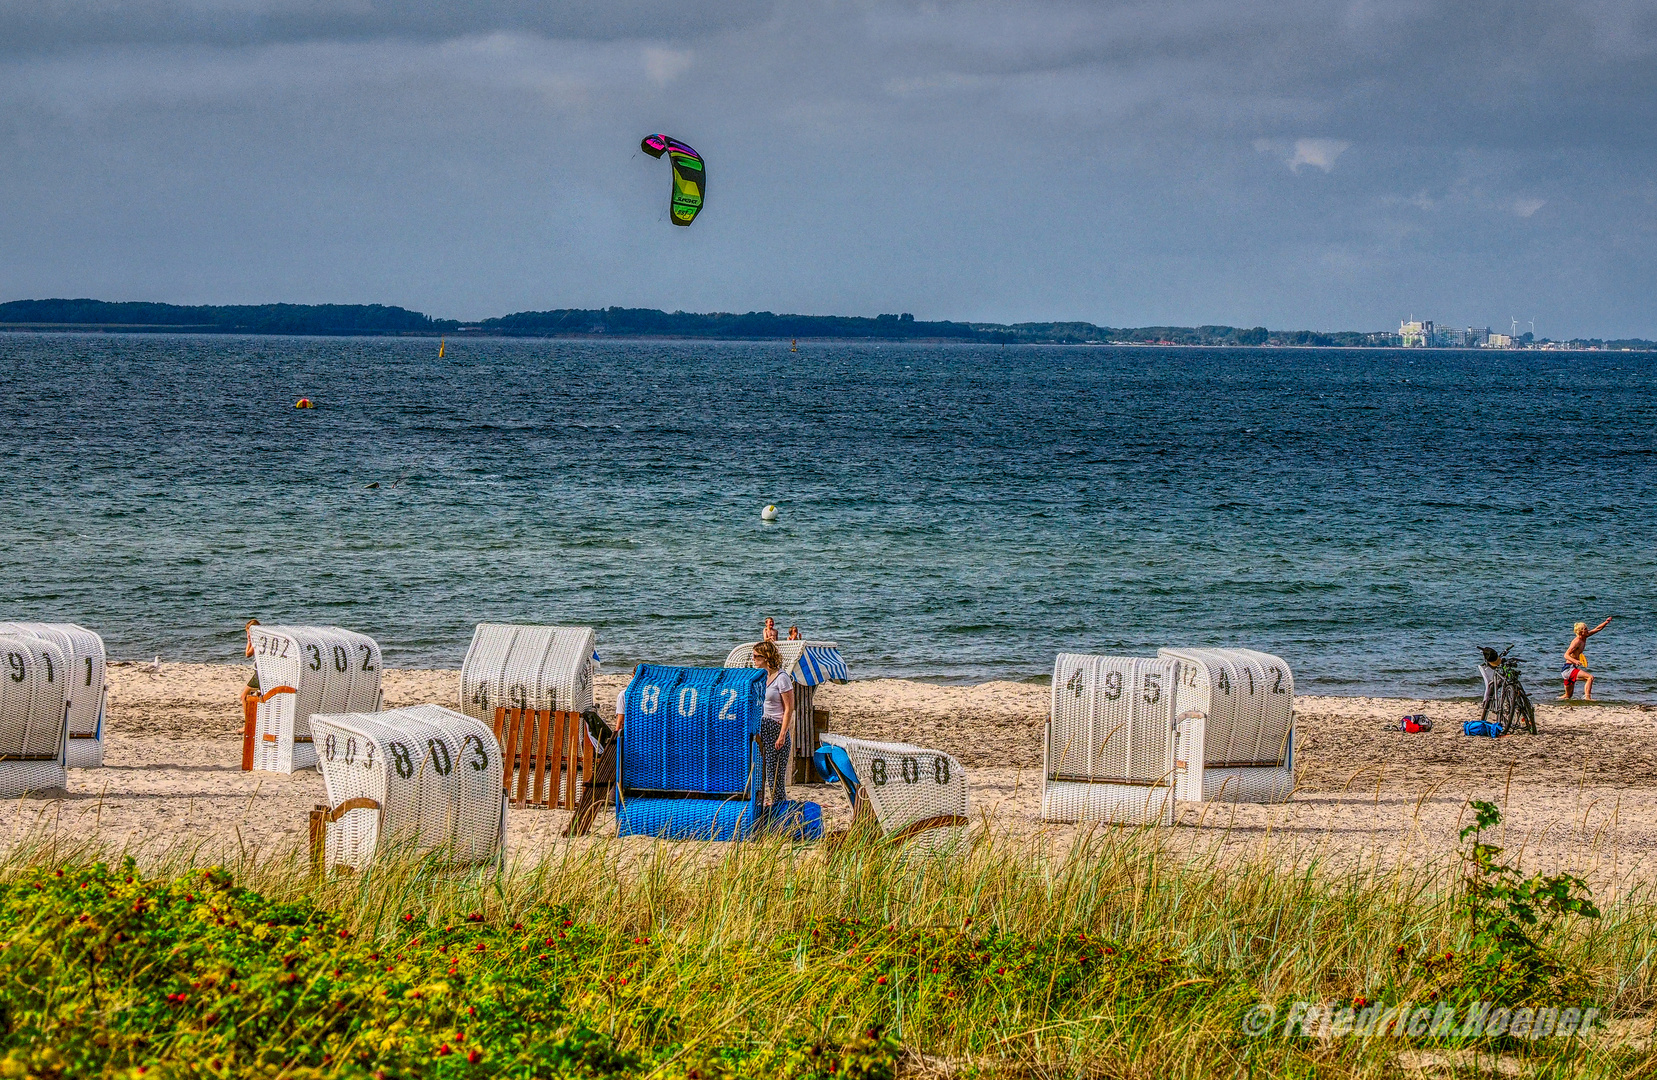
<point>1578,796</point>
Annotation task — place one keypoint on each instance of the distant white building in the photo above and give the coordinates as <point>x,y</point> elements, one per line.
<point>1416,335</point>
<point>1497,341</point>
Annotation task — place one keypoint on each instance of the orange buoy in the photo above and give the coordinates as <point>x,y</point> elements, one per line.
<point>304,403</point>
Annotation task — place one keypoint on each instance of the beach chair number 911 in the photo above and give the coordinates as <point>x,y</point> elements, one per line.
<point>20,667</point>
<point>909,770</point>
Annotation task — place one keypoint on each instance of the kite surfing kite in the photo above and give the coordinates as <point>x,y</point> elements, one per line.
<point>690,180</point>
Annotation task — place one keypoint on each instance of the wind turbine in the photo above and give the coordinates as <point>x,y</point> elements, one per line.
<point>1533,327</point>
<point>1515,322</point>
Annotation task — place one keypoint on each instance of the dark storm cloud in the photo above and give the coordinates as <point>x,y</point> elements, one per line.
<point>1299,163</point>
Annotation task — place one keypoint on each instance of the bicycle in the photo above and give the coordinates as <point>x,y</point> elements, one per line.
<point>1505,700</point>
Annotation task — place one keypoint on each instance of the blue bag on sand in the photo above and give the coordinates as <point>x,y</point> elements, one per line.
<point>1482,727</point>
<point>796,820</point>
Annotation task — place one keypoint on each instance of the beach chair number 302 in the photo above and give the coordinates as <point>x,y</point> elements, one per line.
<point>278,646</point>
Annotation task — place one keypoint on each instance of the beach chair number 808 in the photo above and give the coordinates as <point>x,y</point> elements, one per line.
<point>910,770</point>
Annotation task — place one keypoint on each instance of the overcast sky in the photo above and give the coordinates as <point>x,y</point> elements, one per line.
<point>1292,163</point>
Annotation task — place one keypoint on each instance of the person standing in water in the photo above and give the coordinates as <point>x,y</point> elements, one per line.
<point>1576,662</point>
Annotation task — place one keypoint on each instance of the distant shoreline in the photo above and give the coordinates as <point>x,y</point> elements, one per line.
<point>469,334</point>
<point>650,324</point>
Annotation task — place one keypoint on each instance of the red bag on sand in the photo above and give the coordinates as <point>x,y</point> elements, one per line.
<point>1415,725</point>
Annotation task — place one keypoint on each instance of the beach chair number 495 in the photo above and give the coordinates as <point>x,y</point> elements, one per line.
<point>1077,684</point>
<point>910,770</point>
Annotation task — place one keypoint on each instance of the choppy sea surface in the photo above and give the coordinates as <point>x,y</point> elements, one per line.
<point>947,512</point>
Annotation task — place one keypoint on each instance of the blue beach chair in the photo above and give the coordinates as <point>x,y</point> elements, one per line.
<point>690,765</point>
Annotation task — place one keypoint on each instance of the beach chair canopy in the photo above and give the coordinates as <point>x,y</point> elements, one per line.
<point>84,656</point>
<point>517,666</point>
<point>305,670</point>
<point>810,663</point>
<point>1245,699</point>
<point>1109,752</point>
<point>913,792</point>
<point>410,782</point>
<point>34,707</point>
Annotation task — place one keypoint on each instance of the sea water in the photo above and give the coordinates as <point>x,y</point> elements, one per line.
<point>945,511</point>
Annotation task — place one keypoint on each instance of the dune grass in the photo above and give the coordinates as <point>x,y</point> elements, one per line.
<point>1113,958</point>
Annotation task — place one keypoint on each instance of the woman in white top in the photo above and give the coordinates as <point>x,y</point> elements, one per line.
<point>773,728</point>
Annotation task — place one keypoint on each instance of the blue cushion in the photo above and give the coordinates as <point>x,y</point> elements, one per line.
<point>686,819</point>
<point>716,819</point>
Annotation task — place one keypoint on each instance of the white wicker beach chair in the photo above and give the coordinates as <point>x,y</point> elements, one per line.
<point>305,670</point>
<point>914,794</point>
<point>1235,711</point>
<point>413,781</point>
<point>527,667</point>
<point>84,653</point>
<point>34,715</point>
<point>1109,753</point>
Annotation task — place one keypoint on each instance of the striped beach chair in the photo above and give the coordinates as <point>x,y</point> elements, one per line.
<point>84,655</point>
<point>304,670</point>
<point>34,715</point>
<point>810,664</point>
<point>1236,725</point>
<point>420,782</point>
<point>1109,748</point>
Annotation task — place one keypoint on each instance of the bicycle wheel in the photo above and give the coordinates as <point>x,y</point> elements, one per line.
<point>1505,709</point>
<point>1526,710</point>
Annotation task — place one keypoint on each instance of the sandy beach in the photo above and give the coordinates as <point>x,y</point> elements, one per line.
<point>1576,794</point>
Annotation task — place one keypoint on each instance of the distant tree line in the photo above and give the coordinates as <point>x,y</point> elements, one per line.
<point>223,319</point>
<point>648,322</point>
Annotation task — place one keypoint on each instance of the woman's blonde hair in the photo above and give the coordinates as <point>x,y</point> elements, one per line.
<point>768,655</point>
<point>1580,627</point>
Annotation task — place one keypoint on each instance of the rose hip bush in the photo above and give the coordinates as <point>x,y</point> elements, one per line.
<point>107,972</point>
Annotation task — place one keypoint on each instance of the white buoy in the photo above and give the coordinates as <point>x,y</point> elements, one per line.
<point>769,513</point>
